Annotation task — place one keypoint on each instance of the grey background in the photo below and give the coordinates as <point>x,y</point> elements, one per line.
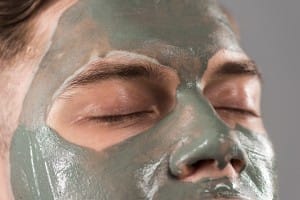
<point>270,31</point>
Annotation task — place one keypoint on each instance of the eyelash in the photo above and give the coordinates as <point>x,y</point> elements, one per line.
<point>238,111</point>
<point>111,119</point>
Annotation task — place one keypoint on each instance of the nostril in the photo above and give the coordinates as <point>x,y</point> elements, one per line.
<point>200,159</point>
<point>190,169</point>
<point>202,164</point>
<point>238,165</point>
<point>209,168</point>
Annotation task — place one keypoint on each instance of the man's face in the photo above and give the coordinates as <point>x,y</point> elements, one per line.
<point>143,100</point>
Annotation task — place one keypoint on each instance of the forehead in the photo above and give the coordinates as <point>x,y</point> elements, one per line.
<point>179,34</point>
<point>169,31</point>
<point>180,23</point>
<point>191,24</point>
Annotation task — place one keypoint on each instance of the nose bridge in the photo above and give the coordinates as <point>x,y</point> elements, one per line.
<point>199,114</point>
<point>207,137</point>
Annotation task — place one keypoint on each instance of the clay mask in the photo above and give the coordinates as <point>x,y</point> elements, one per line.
<point>181,36</point>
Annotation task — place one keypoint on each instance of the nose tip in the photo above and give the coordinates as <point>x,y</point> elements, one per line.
<point>197,160</point>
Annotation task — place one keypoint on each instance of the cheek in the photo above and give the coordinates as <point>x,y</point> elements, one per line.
<point>260,174</point>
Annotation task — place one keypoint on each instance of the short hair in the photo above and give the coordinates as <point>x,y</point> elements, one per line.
<point>14,33</point>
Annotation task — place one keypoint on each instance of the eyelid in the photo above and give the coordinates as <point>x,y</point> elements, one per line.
<point>129,115</point>
<point>239,95</point>
<point>234,103</point>
<point>122,119</point>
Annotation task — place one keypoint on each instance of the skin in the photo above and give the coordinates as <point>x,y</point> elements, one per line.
<point>16,76</point>
<point>192,130</point>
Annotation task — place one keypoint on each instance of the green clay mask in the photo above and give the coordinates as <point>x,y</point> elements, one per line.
<point>53,168</point>
<point>159,160</point>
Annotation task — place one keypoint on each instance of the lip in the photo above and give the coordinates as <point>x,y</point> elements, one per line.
<point>212,197</point>
<point>222,196</point>
<point>221,189</point>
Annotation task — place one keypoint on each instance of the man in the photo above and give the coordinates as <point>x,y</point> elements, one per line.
<point>130,99</point>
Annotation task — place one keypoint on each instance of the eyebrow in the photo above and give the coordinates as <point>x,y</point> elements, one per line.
<point>105,71</point>
<point>239,68</point>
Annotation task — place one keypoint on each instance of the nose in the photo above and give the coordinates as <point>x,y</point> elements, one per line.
<point>209,156</point>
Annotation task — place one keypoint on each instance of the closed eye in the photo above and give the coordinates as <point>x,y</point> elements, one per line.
<point>122,118</point>
<point>239,111</point>
<point>236,99</point>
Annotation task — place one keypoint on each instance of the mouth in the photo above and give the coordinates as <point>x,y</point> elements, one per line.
<point>221,189</point>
